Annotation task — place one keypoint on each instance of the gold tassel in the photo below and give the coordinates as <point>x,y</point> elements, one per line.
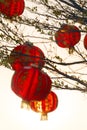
<point>44,116</point>
<point>25,104</point>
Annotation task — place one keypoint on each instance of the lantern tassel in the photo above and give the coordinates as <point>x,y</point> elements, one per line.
<point>25,104</point>
<point>71,50</point>
<point>44,116</point>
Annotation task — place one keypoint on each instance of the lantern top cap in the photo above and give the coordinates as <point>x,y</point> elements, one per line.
<point>28,43</point>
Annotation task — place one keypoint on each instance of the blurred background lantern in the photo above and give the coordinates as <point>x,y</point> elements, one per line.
<point>85,42</point>
<point>26,55</point>
<point>31,84</point>
<point>12,8</point>
<point>67,36</point>
<point>45,106</point>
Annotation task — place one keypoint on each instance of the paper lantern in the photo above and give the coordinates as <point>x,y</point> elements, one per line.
<point>49,104</point>
<point>12,8</point>
<point>67,36</point>
<point>31,84</point>
<point>26,55</point>
<point>85,41</point>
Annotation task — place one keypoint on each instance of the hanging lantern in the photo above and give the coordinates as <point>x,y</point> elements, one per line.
<point>67,36</point>
<point>31,84</point>
<point>26,55</point>
<point>12,8</point>
<point>49,104</point>
<point>85,41</point>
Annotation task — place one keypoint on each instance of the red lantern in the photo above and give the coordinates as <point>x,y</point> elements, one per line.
<point>67,36</point>
<point>31,84</point>
<point>12,8</point>
<point>49,104</point>
<point>85,42</point>
<point>26,55</point>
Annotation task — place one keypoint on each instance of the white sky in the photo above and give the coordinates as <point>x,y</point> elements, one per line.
<point>71,113</point>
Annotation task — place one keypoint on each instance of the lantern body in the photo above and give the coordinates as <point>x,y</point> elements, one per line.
<point>85,41</point>
<point>26,55</point>
<point>31,84</point>
<point>67,36</point>
<point>12,8</point>
<point>49,104</point>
